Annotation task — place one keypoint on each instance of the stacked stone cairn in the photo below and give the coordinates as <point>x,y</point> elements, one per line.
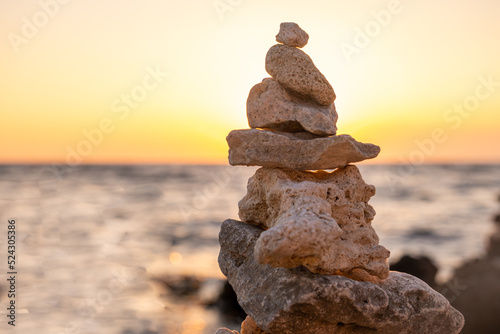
<point>305,258</point>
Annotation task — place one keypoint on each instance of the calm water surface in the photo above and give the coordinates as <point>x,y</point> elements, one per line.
<point>96,243</point>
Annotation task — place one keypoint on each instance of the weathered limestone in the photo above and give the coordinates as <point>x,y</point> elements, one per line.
<point>318,220</point>
<point>292,35</point>
<point>301,151</point>
<point>270,105</point>
<point>296,301</point>
<point>295,70</point>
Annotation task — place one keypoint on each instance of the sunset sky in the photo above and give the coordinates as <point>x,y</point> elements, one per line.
<point>161,81</point>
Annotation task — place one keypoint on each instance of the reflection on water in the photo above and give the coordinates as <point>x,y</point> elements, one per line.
<point>101,248</point>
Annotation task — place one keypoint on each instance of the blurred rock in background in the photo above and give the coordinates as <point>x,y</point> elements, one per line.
<point>419,266</point>
<point>475,288</point>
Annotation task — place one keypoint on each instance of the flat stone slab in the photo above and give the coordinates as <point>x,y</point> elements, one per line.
<point>301,151</point>
<point>296,301</point>
<point>270,105</point>
<point>320,220</point>
<point>295,70</point>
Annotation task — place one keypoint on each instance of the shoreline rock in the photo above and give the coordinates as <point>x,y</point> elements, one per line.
<point>296,301</point>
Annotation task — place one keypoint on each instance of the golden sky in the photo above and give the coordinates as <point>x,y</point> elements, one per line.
<point>162,81</point>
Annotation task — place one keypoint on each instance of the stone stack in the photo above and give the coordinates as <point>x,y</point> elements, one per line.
<point>305,258</point>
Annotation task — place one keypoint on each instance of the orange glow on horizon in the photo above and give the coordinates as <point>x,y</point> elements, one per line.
<point>166,82</point>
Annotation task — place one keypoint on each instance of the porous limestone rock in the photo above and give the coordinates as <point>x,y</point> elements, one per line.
<point>292,35</point>
<point>296,301</point>
<point>270,105</point>
<point>320,220</point>
<point>301,150</point>
<point>295,70</point>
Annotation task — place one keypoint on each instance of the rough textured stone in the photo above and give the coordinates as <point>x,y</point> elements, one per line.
<point>225,331</point>
<point>295,301</point>
<point>292,35</point>
<point>319,220</point>
<point>295,70</point>
<point>250,327</point>
<point>270,105</point>
<point>302,150</point>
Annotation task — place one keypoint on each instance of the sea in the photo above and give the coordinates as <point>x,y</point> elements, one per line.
<point>107,249</point>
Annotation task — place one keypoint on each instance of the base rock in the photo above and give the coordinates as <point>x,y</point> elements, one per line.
<point>301,151</point>
<point>296,301</point>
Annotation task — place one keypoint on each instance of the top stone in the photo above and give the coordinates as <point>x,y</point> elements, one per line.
<point>292,35</point>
